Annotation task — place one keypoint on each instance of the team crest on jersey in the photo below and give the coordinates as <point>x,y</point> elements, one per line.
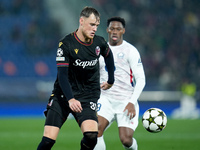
<point>76,50</point>
<point>120,55</point>
<point>139,61</point>
<point>97,49</point>
<point>59,52</point>
<point>50,103</point>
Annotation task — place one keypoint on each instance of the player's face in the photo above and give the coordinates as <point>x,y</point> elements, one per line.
<point>89,26</point>
<point>115,32</point>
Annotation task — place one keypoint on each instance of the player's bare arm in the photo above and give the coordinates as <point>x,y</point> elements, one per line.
<point>130,109</point>
<point>75,105</point>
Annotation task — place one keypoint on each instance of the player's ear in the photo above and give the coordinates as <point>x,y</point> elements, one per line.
<point>81,20</point>
<point>124,30</point>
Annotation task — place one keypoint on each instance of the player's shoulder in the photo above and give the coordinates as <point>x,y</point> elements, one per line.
<point>98,38</point>
<point>67,38</point>
<point>65,42</point>
<point>130,47</point>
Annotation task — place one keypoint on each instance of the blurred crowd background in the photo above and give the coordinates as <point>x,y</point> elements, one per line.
<point>166,33</point>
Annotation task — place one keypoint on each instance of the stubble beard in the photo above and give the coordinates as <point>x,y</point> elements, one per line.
<point>87,38</point>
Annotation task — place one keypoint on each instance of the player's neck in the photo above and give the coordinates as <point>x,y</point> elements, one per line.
<point>115,43</point>
<point>81,37</point>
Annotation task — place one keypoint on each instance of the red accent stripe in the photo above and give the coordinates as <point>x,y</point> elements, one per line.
<point>131,76</point>
<point>86,44</point>
<point>62,64</point>
<point>108,52</point>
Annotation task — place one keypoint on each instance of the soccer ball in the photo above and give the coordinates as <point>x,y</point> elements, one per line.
<point>154,120</point>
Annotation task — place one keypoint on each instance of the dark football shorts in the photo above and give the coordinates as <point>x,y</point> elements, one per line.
<point>58,110</point>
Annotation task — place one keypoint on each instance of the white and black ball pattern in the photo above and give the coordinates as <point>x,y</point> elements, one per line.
<point>154,120</point>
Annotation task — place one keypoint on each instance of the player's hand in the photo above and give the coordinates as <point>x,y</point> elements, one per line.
<point>75,105</point>
<point>130,110</point>
<point>106,86</point>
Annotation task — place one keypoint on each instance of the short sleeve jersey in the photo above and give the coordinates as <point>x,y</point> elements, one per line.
<point>83,62</point>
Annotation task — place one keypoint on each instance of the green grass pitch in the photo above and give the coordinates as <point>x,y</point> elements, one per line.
<point>25,134</point>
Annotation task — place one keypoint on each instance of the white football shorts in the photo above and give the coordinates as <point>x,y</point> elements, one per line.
<point>112,110</point>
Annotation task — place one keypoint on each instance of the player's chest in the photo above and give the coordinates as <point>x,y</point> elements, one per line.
<point>85,52</point>
<point>84,57</point>
<point>120,57</point>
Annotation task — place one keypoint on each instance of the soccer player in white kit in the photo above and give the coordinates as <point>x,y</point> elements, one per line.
<point>119,103</point>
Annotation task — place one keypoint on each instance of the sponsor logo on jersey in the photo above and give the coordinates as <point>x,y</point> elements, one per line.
<point>84,64</point>
<point>76,50</point>
<point>60,43</point>
<point>97,49</point>
<point>60,58</point>
<point>59,52</point>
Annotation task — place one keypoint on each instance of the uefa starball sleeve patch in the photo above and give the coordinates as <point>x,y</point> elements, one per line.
<point>60,59</point>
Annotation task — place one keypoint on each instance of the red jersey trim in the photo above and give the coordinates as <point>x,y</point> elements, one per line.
<point>108,52</point>
<point>131,76</point>
<point>62,64</point>
<point>86,44</point>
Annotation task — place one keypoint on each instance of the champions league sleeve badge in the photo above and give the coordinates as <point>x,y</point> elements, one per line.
<point>59,52</point>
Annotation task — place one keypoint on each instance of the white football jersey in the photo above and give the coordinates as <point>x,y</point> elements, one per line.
<point>129,74</point>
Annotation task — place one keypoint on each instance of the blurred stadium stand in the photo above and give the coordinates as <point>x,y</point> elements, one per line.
<point>167,34</point>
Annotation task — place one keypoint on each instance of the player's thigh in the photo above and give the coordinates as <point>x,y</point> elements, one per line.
<point>124,121</point>
<point>53,124</point>
<point>51,132</point>
<point>87,119</point>
<point>105,109</point>
<point>89,125</point>
<point>56,115</point>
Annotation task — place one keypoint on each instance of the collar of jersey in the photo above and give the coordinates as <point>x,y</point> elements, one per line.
<point>86,44</point>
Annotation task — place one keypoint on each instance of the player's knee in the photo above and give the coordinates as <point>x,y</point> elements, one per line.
<point>101,129</point>
<point>126,141</point>
<point>46,143</point>
<point>100,132</point>
<point>89,140</point>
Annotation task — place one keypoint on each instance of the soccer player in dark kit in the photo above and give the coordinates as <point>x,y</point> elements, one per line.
<point>77,87</point>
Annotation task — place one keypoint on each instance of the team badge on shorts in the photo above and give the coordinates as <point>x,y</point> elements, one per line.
<point>50,103</point>
<point>97,49</point>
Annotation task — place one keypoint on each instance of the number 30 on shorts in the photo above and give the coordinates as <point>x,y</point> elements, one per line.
<point>93,105</point>
<point>98,106</point>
